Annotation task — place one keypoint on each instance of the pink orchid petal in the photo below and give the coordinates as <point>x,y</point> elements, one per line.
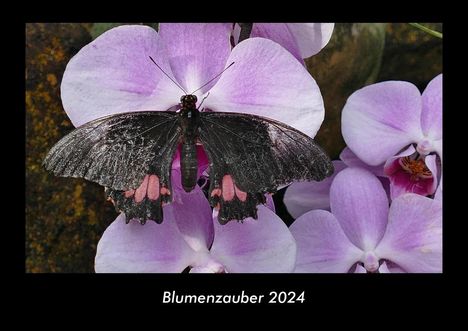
<point>413,238</point>
<point>438,193</point>
<point>360,269</point>
<point>431,117</point>
<point>197,52</point>
<point>301,197</point>
<point>401,181</point>
<point>322,245</point>
<point>351,160</point>
<point>431,164</point>
<point>192,213</point>
<point>215,269</point>
<point>392,165</point>
<point>360,204</point>
<point>270,203</point>
<point>386,185</point>
<point>402,184</point>
<point>142,248</point>
<point>437,144</point>
<point>235,33</point>
<point>311,37</point>
<point>113,74</point>
<point>200,270</point>
<point>301,39</point>
<point>206,263</point>
<point>394,268</point>
<point>383,269</point>
<point>267,80</point>
<point>380,119</point>
<point>261,245</point>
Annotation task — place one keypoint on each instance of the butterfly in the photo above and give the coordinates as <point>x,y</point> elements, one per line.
<point>131,155</point>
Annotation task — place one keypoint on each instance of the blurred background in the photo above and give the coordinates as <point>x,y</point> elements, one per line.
<point>65,217</point>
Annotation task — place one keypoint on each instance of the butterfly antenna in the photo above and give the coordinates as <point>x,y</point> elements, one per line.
<point>212,79</point>
<point>201,103</point>
<point>177,84</point>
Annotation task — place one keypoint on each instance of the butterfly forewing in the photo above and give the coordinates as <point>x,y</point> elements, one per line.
<point>130,154</point>
<point>251,156</point>
<point>116,151</point>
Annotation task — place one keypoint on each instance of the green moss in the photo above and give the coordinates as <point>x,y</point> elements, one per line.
<point>64,217</point>
<point>99,28</point>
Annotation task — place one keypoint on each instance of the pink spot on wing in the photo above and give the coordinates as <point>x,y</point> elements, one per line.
<point>129,193</point>
<point>153,187</point>
<point>241,195</point>
<point>165,191</point>
<point>228,188</point>
<point>140,193</point>
<point>216,192</point>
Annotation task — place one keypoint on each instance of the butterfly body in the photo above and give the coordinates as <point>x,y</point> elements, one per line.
<point>189,122</point>
<point>131,155</point>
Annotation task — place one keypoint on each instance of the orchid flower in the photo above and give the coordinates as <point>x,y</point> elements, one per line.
<point>363,234</point>
<point>302,40</point>
<point>301,197</point>
<point>393,125</point>
<point>114,74</point>
<point>189,238</point>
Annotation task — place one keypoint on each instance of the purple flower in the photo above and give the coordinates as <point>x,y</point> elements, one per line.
<point>301,39</point>
<point>362,233</point>
<point>410,171</point>
<point>113,74</point>
<point>301,197</point>
<point>189,238</point>
<point>391,123</point>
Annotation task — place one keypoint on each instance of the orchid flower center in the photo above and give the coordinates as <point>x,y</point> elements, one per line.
<point>415,167</point>
<point>207,264</point>
<point>424,147</point>
<point>371,262</point>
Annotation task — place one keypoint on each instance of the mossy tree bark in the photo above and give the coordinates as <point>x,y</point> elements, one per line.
<point>64,217</point>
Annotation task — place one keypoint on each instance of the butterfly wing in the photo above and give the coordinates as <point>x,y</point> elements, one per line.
<point>252,155</point>
<point>130,154</point>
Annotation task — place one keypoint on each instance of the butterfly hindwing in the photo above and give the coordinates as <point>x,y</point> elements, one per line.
<point>144,203</point>
<point>251,155</point>
<point>127,153</point>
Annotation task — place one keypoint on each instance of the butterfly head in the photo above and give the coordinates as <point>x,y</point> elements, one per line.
<point>189,101</point>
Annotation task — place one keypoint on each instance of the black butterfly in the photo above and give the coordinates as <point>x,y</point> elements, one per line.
<point>131,155</point>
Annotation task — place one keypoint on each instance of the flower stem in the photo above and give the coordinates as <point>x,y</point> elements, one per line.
<point>427,30</point>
